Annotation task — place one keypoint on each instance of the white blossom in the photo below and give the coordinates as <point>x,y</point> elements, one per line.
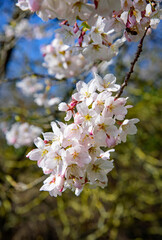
<point>60,61</point>
<point>72,153</point>
<point>107,83</point>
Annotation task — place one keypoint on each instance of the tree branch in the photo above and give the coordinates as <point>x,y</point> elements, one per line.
<point>7,44</point>
<point>128,75</point>
<point>38,75</point>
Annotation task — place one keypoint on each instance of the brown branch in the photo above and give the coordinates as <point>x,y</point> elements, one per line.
<point>128,75</point>
<point>7,44</point>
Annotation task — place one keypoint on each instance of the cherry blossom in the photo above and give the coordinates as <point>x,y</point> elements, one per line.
<point>60,61</point>
<point>90,32</point>
<point>72,153</point>
<point>107,83</point>
<point>53,185</point>
<point>85,92</point>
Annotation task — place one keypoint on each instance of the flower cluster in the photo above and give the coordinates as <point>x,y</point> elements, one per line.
<point>73,153</point>
<point>136,15</point>
<point>59,60</point>
<point>25,29</point>
<point>101,23</point>
<point>22,134</point>
<point>41,99</point>
<point>31,87</point>
<point>64,9</point>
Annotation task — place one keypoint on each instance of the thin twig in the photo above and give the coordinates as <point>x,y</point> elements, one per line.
<point>128,75</point>
<point>38,75</point>
<point>20,186</point>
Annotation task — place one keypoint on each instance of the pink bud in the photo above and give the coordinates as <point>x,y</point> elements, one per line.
<point>81,38</point>
<point>61,189</point>
<point>75,28</point>
<point>65,22</point>
<point>73,103</point>
<point>91,133</point>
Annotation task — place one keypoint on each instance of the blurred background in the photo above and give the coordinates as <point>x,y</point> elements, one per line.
<point>131,206</point>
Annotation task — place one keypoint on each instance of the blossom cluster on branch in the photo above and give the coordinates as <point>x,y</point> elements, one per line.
<point>97,24</point>
<point>73,153</point>
<point>78,153</point>
<point>60,61</point>
<point>31,87</point>
<point>24,29</point>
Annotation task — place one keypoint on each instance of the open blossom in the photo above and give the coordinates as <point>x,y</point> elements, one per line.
<point>53,185</point>
<point>105,50</point>
<point>98,104</point>
<point>98,170</point>
<point>97,30</point>
<point>88,115</point>
<point>85,92</point>
<point>22,134</point>
<point>68,34</point>
<point>127,127</point>
<point>115,107</point>
<point>39,154</point>
<point>73,153</point>
<point>107,83</point>
<point>104,128</point>
<point>115,23</point>
<point>93,52</point>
